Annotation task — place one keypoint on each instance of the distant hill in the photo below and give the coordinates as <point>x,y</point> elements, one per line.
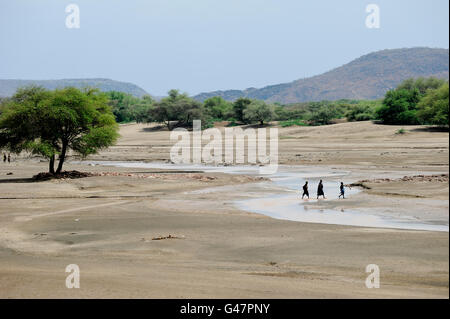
<point>368,77</point>
<point>8,87</point>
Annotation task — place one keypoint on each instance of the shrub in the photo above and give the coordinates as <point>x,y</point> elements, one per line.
<point>297,122</point>
<point>258,111</point>
<point>399,107</point>
<point>434,107</point>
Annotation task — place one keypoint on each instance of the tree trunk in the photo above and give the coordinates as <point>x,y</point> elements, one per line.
<point>62,157</point>
<point>51,166</point>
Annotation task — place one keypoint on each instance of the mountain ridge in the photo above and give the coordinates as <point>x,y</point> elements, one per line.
<point>367,77</point>
<point>9,86</point>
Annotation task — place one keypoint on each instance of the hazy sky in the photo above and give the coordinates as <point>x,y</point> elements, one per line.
<point>205,45</point>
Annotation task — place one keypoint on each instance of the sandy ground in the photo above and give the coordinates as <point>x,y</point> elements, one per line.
<point>106,224</point>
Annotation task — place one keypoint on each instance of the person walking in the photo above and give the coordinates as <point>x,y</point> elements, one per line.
<point>342,190</point>
<point>305,190</point>
<point>4,158</point>
<point>320,190</point>
<point>9,158</point>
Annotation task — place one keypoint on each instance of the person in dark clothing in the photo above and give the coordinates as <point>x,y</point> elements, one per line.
<point>4,158</point>
<point>320,190</point>
<point>342,190</point>
<point>305,190</point>
<point>9,158</point>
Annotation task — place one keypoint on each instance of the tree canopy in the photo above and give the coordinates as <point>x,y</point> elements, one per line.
<point>179,108</point>
<point>218,108</point>
<point>258,111</point>
<point>399,107</point>
<point>50,123</point>
<point>416,101</point>
<point>433,108</point>
<point>239,106</point>
<point>422,84</point>
<point>128,108</point>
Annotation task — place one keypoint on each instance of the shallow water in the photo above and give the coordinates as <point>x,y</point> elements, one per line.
<point>286,203</point>
<point>291,208</point>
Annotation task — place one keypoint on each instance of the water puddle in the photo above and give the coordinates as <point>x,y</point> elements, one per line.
<point>284,200</point>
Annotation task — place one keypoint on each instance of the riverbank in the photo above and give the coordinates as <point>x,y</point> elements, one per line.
<point>106,225</point>
<point>279,195</point>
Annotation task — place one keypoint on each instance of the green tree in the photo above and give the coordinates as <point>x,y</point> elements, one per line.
<point>127,108</point>
<point>422,84</point>
<point>3,102</point>
<point>399,107</point>
<point>239,106</point>
<point>178,108</point>
<point>50,123</point>
<point>323,116</point>
<point>218,108</point>
<point>258,111</point>
<point>121,104</point>
<point>142,110</point>
<point>363,111</point>
<point>433,108</point>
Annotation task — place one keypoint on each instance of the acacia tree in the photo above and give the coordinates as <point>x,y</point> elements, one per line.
<point>127,108</point>
<point>218,108</point>
<point>168,109</point>
<point>239,106</point>
<point>258,111</point>
<point>399,107</point>
<point>177,107</point>
<point>422,84</point>
<point>433,107</point>
<point>49,123</point>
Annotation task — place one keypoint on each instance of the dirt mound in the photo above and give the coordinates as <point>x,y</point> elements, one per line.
<point>415,178</point>
<point>45,176</point>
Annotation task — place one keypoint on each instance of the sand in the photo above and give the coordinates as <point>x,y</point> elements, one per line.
<point>106,224</point>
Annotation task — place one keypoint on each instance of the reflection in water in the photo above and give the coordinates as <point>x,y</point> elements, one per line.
<point>288,203</point>
<point>288,207</point>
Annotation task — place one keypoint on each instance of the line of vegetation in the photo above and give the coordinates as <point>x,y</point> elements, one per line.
<point>423,101</point>
<point>419,101</point>
<point>49,123</point>
<point>296,122</point>
<point>178,109</point>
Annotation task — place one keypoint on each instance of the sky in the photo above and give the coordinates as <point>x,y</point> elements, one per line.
<point>206,45</point>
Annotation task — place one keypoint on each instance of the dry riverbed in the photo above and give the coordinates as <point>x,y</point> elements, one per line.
<point>207,247</point>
